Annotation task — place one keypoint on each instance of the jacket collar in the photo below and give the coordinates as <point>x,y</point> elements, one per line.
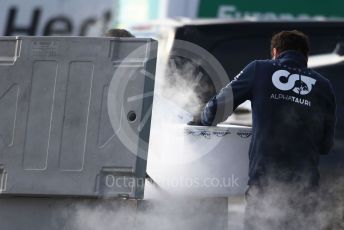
<point>293,56</point>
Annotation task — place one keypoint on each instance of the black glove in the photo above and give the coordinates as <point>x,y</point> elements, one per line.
<point>196,121</point>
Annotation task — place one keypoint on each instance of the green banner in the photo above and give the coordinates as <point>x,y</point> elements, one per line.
<point>272,9</point>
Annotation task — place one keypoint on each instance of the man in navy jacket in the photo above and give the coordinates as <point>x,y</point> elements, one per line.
<point>293,109</point>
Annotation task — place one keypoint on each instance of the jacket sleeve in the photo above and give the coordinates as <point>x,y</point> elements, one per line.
<point>230,97</point>
<point>329,123</point>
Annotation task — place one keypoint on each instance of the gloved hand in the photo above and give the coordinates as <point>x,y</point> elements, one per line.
<point>196,121</point>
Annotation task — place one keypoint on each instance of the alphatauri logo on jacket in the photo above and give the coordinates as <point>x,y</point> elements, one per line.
<point>299,84</point>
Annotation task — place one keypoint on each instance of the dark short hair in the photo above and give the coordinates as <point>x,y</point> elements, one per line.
<point>120,33</point>
<point>291,40</point>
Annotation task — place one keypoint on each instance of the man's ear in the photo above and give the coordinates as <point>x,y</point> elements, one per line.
<point>274,53</point>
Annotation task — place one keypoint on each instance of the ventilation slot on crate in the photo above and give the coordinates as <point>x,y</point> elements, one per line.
<point>3,179</point>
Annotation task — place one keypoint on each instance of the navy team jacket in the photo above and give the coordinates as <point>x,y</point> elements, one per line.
<point>293,111</point>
